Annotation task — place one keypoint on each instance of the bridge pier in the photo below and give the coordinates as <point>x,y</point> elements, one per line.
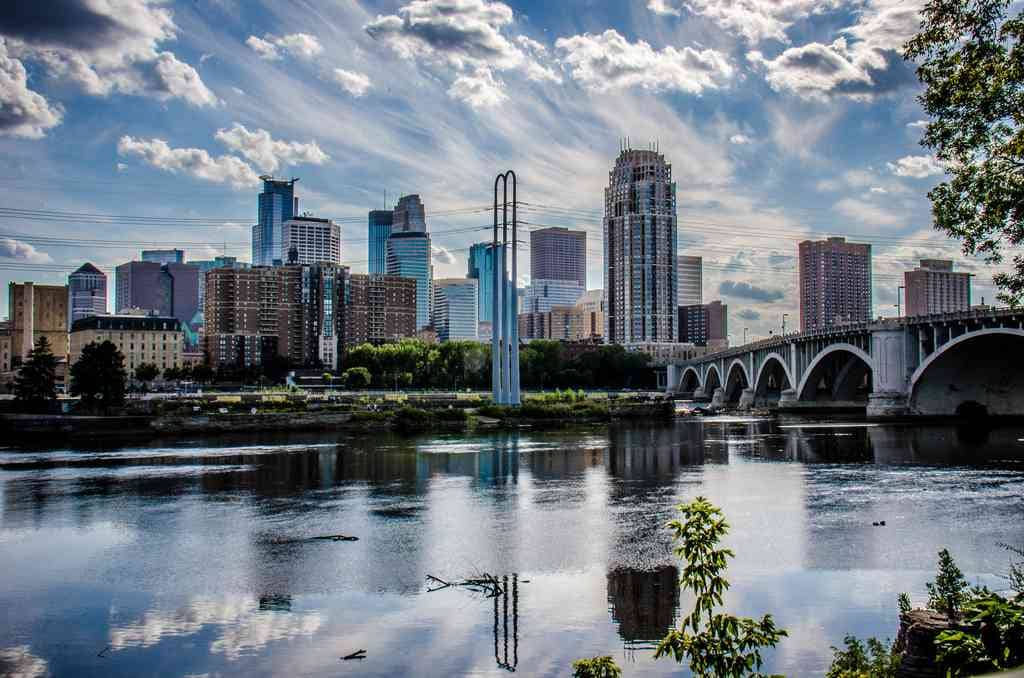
<point>746,399</point>
<point>787,397</point>
<point>887,404</point>
<point>700,394</point>
<point>888,396</point>
<point>718,400</point>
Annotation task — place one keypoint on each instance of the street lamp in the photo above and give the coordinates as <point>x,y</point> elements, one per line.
<point>899,308</point>
<point>784,316</point>
<point>745,336</point>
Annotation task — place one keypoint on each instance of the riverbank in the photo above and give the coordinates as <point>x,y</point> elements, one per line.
<point>221,417</point>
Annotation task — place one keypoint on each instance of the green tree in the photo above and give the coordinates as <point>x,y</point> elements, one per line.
<point>598,667</point>
<point>988,638</point>
<point>36,382</point>
<point>146,372</point>
<point>356,378</point>
<point>971,63</point>
<point>99,377</point>
<point>203,373</point>
<point>172,374</point>
<point>877,660</point>
<point>949,590</point>
<point>712,643</point>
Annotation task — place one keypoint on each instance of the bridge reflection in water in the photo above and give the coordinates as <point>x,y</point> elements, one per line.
<point>644,605</point>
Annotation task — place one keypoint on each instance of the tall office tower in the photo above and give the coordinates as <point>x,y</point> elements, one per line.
<point>254,314</point>
<point>559,254</point>
<point>378,309</point>
<point>935,287</point>
<point>481,269</point>
<point>835,283</point>
<point>323,293</point>
<point>312,240</point>
<point>454,311</point>
<point>410,215</point>
<point>543,295</point>
<point>408,256</point>
<point>640,249</point>
<point>164,256</point>
<point>87,293</point>
<point>168,290</point>
<point>379,222</point>
<point>37,311</point>
<point>277,204</point>
<point>704,324</point>
<point>690,277</point>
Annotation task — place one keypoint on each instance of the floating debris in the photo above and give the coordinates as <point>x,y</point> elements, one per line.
<point>358,654</point>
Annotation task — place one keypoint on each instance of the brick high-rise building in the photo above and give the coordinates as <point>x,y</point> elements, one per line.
<point>559,254</point>
<point>640,249</point>
<point>835,283</point>
<point>704,324</point>
<point>935,287</point>
<point>378,309</point>
<point>38,311</point>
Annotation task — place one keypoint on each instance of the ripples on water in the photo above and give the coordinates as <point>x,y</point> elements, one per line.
<point>195,558</point>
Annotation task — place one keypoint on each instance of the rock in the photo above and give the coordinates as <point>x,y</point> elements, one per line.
<point>916,642</point>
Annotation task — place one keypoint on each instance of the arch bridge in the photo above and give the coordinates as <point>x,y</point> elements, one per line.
<point>956,363</point>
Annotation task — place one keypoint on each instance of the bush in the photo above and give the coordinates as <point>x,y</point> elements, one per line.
<point>598,667</point>
<point>412,420</point>
<point>949,590</point>
<point>877,660</point>
<point>990,637</point>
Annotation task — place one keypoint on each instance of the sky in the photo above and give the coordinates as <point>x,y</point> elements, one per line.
<point>783,120</point>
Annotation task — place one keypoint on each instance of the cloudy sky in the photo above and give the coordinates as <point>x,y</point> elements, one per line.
<point>783,119</point>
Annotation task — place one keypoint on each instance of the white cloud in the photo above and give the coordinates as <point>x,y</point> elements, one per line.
<point>108,47</point>
<point>356,84</point>
<point>299,45</point>
<point>866,213</point>
<point>442,255</point>
<point>267,153</point>
<point>194,161</point>
<point>916,167</point>
<point>479,89</point>
<point>121,167</point>
<point>917,124</point>
<point>755,20</point>
<point>23,112</point>
<point>878,190</point>
<point>22,251</point>
<point>740,139</point>
<point>608,61</point>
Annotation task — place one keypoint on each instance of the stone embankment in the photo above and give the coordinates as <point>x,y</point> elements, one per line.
<point>916,642</point>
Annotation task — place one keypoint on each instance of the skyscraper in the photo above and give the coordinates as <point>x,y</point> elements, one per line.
<point>835,283</point>
<point>164,256</point>
<point>454,311</point>
<point>481,269</point>
<point>640,249</point>
<point>410,215</point>
<point>408,256</point>
<point>205,265</point>
<point>313,240</point>
<point>378,308</point>
<point>277,204</point>
<point>168,290</point>
<point>559,254</point>
<point>87,293</point>
<point>704,324</point>
<point>543,295</point>
<point>380,223</point>
<point>935,287</point>
<point>690,274</point>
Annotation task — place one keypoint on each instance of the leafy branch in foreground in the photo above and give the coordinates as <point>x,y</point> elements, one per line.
<point>712,643</point>
<point>598,667</point>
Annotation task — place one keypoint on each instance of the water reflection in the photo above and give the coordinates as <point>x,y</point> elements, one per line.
<point>199,555</point>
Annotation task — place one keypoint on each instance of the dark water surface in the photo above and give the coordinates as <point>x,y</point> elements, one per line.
<point>193,558</point>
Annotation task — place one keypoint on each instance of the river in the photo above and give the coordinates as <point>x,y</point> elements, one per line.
<point>194,557</point>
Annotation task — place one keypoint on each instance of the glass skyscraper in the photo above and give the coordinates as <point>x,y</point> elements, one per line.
<point>277,204</point>
<point>481,268</point>
<point>408,255</point>
<point>410,215</point>
<point>379,231</point>
<point>164,256</point>
<point>454,312</point>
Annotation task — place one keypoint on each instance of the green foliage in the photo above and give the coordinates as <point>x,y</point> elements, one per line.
<point>876,660</point>
<point>356,378</point>
<point>203,373</point>
<point>99,377</point>
<point>1016,573</point>
<point>413,419</point>
<point>146,372</point>
<point>903,601</point>
<point>990,637</point>
<point>712,643</point>
<point>36,381</point>
<point>598,667</point>
<point>949,590</point>
<point>971,63</point>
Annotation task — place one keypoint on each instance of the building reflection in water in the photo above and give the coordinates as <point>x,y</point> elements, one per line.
<point>643,604</point>
<point>509,589</point>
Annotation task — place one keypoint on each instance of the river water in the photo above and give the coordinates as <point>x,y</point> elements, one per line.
<point>194,558</point>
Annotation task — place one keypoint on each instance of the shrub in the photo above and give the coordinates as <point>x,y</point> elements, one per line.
<point>598,667</point>
<point>877,660</point>
<point>949,590</point>
<point>412,420</point>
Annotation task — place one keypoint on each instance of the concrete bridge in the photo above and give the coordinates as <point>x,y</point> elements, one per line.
<point>958,363</point>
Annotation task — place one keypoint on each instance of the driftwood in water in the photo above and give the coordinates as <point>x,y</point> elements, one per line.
<point>358,654</point>
<point>488,584</point>
<point>335,537</point>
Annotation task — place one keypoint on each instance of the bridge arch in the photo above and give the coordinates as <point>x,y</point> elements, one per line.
<point>773,377</point>
<point>737,378</point>
<point>826,364</point>
<point>712,379</point>
<point>972,374</point>
<point>690,380</point>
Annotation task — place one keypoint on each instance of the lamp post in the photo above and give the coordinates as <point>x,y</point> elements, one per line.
<point>745,336</point>
<point>899,308</point>
<point>784,316</point>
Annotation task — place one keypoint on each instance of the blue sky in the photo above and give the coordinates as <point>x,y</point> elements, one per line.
<point>783,119</point>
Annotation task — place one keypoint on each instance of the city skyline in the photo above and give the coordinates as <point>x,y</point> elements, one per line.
<point>759,166</point>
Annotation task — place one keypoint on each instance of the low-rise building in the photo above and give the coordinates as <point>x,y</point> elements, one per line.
<point>141,339</point>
